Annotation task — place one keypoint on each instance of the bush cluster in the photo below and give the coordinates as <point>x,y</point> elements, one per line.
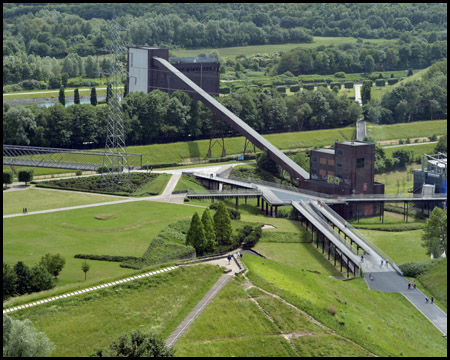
<point>234,214</point>
<point>414,269</point>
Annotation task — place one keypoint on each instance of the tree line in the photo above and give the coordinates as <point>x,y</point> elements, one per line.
<point>58,29</point>
<point>421,99</point>
<point>20,279</point>
<point>158,117</point>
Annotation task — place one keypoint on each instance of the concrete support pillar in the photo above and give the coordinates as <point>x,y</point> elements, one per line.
<point>237,202</point>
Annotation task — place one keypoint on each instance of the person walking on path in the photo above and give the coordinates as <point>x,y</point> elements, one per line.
<point>426,299</point>
<point>409,285</point>
<point>387,262</point>
<point>414,284</point>
<point>362,258</point>
<point>432,299</point>
<point>381,261</point>
<point>229,259</point>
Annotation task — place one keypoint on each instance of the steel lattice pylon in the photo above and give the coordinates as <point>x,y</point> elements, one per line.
<point>115,159</point>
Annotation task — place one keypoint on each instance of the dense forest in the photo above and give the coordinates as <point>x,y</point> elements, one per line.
<point>35,36</point>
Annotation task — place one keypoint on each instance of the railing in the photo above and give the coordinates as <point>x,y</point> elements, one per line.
<point>283,187</point>
<point>363,238</point>
<point>328,227</point>
<point>224,192</point>
<point>392,196</point>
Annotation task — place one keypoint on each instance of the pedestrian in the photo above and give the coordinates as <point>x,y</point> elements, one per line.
<point>387,262</point>
<point>362,258</point>
<point>426,299</point>
<point>381,261</point>
<point>409,285</point>
<point>26,210</point>
<point>414,284</point>
<point>23,210</point>
<point>432,299</point>
<point>229,259</point>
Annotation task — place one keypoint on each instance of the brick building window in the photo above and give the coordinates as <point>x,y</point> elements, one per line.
<point>340,152</point>
<point>359,163</point>
<point>339,164</point>
<point>314,159</point>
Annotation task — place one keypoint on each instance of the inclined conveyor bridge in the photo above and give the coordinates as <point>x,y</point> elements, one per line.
<point>294,170</point>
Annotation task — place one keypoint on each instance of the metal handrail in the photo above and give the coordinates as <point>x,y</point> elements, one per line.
<point>363,238</point>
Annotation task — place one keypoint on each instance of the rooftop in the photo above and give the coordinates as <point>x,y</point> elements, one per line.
<point>178,60</point>
<point>355,143</point>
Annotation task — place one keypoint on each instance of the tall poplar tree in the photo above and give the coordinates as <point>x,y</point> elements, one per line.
<point>222,225</point>
<point>93,96</point>
<point>196,235</point>
<point>76,97</point>
<point>208,226</point>
<point>62,96</point>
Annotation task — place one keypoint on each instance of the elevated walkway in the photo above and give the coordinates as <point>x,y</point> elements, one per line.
<point>333,241</point>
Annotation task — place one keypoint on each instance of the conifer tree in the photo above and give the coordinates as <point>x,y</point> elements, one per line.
<point>62,96</point>
<point>208,226</point>
<point>196,235</point>
<point>76,97</point>
<point>222,225</point>
<point>93,96</point>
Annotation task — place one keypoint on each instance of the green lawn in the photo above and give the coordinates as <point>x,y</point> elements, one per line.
<point>405,130</point>
<point>401,246</point>
<point>385,324</point>
<point>81,325</point>
<point>79,232</point>
<point>299,256</point>
<point>232,52</point>
<point>43,199</point>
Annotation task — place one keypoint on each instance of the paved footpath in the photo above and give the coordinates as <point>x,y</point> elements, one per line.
<point>197,310</point>
<point>384,278</point>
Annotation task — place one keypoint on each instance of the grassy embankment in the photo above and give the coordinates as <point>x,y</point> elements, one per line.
<point>80,325</point>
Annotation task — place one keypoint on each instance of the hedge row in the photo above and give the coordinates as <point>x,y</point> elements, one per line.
<point>105,257</point>
<point>414,269</point>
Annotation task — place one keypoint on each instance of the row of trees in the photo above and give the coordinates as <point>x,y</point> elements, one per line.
<point>20,279</point>
<point>205,234</point>
<point>157,117</point>
<point>402,54</point>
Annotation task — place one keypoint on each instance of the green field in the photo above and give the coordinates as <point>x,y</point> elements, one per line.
<point>43,199</point>
<point>407,130</point>
<point>232,52</point>
<point>79,232</point>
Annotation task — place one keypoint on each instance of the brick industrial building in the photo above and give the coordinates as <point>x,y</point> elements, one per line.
<point>346,169</point>
<point>145,76</point>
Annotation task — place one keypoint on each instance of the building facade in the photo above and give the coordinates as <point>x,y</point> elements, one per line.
<point>144,75</point>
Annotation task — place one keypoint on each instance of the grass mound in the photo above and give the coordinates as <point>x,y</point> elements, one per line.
<point>105,216</point>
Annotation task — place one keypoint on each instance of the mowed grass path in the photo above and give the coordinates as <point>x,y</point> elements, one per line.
<point>40,199</point>
<point>81,325</point>
<point>79,232</point>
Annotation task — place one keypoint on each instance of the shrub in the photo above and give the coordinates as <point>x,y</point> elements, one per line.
<point>332,309</point>
<point>7,177</point>
<point>333,84</point>
<point>224,90</point>
<point>348,84</point>
<point>321,84</point>
<point>294,88</point>
<point>308,86</point>
<point>26,175</point>
<point>281,89</point>
<point>414,269</point>
<point>78,173</point>
<point>367,82</point>
<point>392,81</point>
<point>380,82</point>
<point>340,75</point>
